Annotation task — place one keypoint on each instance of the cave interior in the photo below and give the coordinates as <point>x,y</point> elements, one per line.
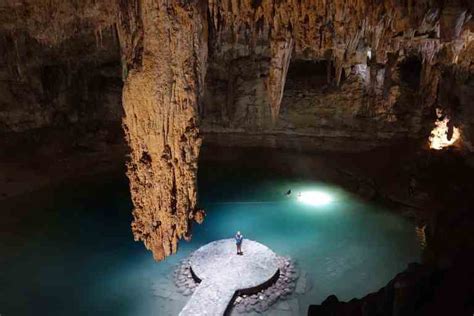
<point>373,97</point>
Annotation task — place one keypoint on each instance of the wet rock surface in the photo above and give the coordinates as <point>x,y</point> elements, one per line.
<point>287,284</point>
<point>418,290</point>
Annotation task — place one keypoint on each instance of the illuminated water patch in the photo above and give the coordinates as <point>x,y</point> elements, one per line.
<point>316,198</point>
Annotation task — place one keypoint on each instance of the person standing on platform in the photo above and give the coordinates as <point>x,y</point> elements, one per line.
<point>238,242</point>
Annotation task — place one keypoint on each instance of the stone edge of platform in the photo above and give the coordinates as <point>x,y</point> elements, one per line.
<point>251,290</point>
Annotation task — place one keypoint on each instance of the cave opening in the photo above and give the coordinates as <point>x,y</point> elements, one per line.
<point>311,97</point>
<point>309,75</point>
<point>410,72</point>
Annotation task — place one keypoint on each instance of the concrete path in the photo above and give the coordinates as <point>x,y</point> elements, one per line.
<point>222,272</point>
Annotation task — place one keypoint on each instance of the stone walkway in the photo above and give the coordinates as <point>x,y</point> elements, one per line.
<point>222,273</point>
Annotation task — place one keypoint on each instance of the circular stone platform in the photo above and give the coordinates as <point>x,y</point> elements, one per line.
<point>223,273</point>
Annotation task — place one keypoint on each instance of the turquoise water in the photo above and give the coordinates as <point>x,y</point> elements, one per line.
<point>70,251</point>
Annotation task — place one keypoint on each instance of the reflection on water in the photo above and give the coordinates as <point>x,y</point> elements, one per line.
<point>71,252</point>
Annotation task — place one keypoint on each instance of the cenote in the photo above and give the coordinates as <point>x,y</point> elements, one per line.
<point>138,137</point>
<point>69,251</point>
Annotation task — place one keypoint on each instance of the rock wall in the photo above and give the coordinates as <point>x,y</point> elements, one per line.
<point>75,83</point>
<point>165,46</point>
<point>59,65</point>
<point>365,45</point>
<point>457,93</point>
<point>419,290</point>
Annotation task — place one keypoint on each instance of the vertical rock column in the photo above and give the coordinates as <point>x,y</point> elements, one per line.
<point>281,56</point>
<point>164,54</point>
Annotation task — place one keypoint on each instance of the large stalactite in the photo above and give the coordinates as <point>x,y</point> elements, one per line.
<point>164,48</point>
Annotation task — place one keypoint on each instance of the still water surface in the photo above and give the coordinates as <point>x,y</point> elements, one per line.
<point>69,251</point>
